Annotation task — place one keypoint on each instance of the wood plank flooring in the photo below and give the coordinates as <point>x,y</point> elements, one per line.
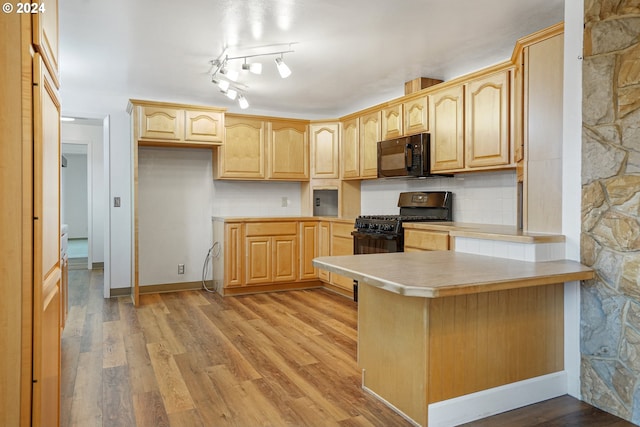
<point>196,359</point>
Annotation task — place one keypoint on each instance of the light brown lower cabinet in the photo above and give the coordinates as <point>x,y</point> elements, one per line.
<point>341,244</point>
<point>259,256</point>
<point>426,240</point>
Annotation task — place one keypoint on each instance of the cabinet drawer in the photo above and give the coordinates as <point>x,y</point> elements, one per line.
<point>426,240</point>
<point>270,228</point>
<point>341,229</point>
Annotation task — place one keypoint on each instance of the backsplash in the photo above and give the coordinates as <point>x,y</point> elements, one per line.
<point>488,197</point>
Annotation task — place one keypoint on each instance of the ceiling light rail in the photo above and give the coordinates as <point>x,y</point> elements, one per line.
<point>226,78</point>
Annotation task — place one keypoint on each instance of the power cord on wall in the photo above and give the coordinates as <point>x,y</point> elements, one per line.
<point>214,252</point>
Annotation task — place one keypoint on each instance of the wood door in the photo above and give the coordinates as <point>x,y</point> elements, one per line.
<point>288,151</point>
<point>487,120</point>
<point>204,126</point>
<point>309,242</point>
<point>370,134</point>
<point>258,263</point>
<point>324,246</point>
<point>285,258</point>
<point>446,116</point>
<point>416,115</point>
<point>233,255</point>
<point>392,122</point>
<point>325,156</point>
<point>161,123</point>
<point>46,268</point>
<point>242,154</point>
<point>45,35</point>
<point>350,150</point>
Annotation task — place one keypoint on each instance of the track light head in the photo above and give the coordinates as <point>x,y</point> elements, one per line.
<point>242,101</point>
<point>228,73</point>
<point>282,68</point>
<point>254,67</point>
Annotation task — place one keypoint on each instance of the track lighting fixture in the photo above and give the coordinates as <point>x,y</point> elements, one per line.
<point>228,85</point>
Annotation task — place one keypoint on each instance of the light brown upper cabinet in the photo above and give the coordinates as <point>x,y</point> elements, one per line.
<point>325,145</point>
<point>470,124</point>
<point>45,35</point>
<point>258,148</point>
<point>242,155</point>
<point>161,123</point>
<point>288,154</point>
<point>487,120</point>
<point>416,115</point>
<point>370,134</point>
<point>205,126</point>
<point>164,124</point>
<point>446,115</point>
<point>392,121</point>
<point>350,148</point>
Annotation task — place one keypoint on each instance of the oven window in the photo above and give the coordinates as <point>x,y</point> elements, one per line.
<point>364,243</point>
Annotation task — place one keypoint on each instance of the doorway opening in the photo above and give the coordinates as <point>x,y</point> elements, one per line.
<point>85,192</point>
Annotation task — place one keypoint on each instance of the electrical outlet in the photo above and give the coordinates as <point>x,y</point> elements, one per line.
<point>116,202</point>
<point>285,202</point>
<point>180,268</point>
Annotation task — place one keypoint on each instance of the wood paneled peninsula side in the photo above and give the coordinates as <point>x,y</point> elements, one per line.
<point>446,337</point>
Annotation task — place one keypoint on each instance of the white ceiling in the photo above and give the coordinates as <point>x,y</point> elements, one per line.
<point>349,54</point>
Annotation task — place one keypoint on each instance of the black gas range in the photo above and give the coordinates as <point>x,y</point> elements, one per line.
<point>384,233</point>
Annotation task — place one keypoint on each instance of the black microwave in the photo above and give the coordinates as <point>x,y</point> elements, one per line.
<point>407,156</point>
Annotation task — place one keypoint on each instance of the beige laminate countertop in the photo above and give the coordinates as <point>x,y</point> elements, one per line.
<point>445,273</point>
<point>486,231</point>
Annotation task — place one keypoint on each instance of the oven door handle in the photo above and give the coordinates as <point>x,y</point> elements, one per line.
<point>361,235</point>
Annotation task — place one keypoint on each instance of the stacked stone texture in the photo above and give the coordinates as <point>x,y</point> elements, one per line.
<point>610,318</point>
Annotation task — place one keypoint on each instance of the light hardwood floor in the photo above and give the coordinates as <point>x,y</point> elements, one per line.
<point>196,359</point>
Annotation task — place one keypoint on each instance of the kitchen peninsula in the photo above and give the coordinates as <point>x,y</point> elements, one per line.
<point>440,331</point>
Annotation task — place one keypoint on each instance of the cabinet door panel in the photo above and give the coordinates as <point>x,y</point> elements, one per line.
<point>285,259</point>
<point>242,154</point>
<point>341,246</point>
<point>350,159</point>
<point>203,126</point>
<point>258,263</point>
<point>392,122</point>
<point>416,113</point>
<point>324,246</point>
<point>161,123</point>
<point>233,255</point>
<point>487,120</point>
<point>308,249</point>
<point>446,113</point>
<point>288,151</point>
<point>370,134</point>
<point>324,151</point>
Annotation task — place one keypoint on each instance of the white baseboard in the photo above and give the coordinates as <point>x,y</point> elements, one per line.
<point>494,401</point>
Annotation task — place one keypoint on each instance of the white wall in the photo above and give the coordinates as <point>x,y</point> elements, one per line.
<point>91,134</point>
<point>488,197</point>
<point>571,181</point>
<point>74,196</point>
<point>175,188</point>
<point>255,198</point>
